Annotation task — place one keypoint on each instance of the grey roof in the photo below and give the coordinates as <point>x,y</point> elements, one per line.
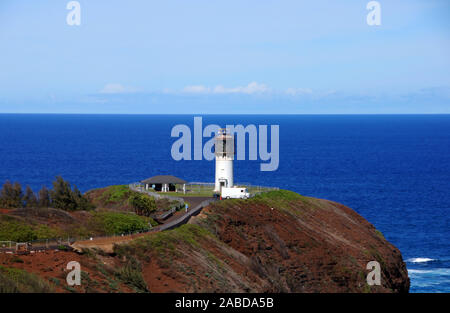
<point>164,179</point>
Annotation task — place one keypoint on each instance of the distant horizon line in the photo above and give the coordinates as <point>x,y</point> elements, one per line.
<point>190,114</point>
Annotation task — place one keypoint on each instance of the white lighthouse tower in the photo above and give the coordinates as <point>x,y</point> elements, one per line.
<point>224,151</point>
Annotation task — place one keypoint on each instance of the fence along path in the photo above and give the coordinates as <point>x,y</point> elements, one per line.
<point>136,187</point>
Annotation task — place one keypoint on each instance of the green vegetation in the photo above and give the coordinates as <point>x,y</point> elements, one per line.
<point>165,204</point>
<point>30,199</point>
<point>279,196</point>
<point>62,248</point>
<point>13,229</point>
<point>143,204</point>
<point>193,190</point>
<point>107,223</point>
<point>61,197</point>
<point>280,199</point>
<point>13,280</point>
<point>64,198</point>
<point>211,221</point>
<point>284,200</point>
<point>116,194</point>
<point>11,195</point>
<point>44,232</point>
<point>131,274</point>
<point>203,193</point>
<point>117,223</point>
<point>44,200</point>
<point>121,197</point>
<point>379,234</point>
<point>168,246</point>
<point>200,190</point>
<point>25,225</point>
<point>165,242</point>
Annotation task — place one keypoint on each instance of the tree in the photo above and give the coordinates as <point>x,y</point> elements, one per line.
<point>29,198</point>
<point>11,195</point>
<point>63,197</point>
<point>5,194</point>
<point>142,204</point>
<point>82,202</point>
<point>44,198</point>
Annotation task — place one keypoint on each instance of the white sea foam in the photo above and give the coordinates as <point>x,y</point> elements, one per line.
<point>418,271</point>
<point>420,260</point>
<point>437,271</point>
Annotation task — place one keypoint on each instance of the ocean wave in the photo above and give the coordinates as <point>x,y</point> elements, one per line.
<point>437,271</point>
<point>419,271</point>
<point>420,260</point>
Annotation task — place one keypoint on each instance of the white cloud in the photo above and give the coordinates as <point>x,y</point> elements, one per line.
<point>196,89</point>
<point>115,88</point>
<point>298,91</point>
<point>251,88</point>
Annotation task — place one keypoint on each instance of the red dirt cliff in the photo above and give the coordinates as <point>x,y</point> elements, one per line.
<point>276,242</point>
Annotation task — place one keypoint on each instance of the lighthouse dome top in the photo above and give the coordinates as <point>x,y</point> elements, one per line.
<point>224,132</point>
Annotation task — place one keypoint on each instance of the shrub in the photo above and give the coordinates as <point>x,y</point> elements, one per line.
<point>15,230</point>
<point>142,204</point>
<point>166,241</point>
<point>13,280</point>
<point>115,194</point>
<point>118,223</point>
<point>44,232</point>
<point>131,274</point>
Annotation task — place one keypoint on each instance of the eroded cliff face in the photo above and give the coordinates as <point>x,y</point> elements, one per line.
<point>276,242</point>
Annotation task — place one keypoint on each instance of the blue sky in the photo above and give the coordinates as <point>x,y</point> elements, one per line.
<point>245,56</point>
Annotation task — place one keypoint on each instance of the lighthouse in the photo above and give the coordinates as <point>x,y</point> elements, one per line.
<point>224,152</point>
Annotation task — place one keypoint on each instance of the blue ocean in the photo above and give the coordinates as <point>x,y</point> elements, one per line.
<point>392,169</point>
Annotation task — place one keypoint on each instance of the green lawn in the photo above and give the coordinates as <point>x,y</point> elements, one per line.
<point>188,194</point>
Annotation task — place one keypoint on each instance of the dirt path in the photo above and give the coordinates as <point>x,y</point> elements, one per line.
<point>106,244</point>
